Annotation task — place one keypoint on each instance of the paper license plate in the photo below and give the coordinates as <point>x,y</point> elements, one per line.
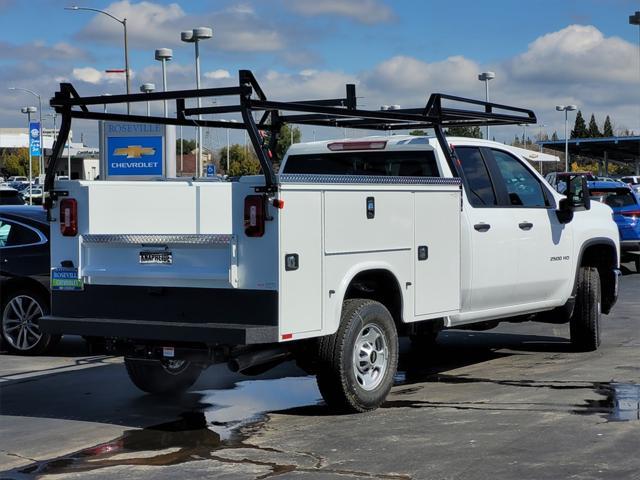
<point>65,278</point>
<point>162,258</point>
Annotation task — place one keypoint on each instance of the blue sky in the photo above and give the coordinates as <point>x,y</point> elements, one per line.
<point>543,52</point>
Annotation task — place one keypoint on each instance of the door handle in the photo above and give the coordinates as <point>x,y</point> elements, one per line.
<point>525,225</point>
<point>482,227</point>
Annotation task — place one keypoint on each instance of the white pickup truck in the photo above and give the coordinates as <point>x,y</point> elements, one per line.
<point>355,242</point>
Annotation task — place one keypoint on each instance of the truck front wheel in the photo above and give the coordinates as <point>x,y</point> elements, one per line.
<point>584,324</point>
<point>357,364</point>
<point>162,377</point>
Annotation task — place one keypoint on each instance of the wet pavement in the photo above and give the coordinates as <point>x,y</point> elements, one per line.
<point>513,402</point>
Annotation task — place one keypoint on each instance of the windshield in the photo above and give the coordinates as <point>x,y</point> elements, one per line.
<point>390,163</point>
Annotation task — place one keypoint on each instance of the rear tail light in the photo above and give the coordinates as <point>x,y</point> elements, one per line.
<point>371,145</point>
<point>254,215</point>
<point>631,213</point>
<point>69,217</point>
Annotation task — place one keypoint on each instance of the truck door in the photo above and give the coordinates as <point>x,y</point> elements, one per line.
<point>487,235</point>
<point>544,244</point>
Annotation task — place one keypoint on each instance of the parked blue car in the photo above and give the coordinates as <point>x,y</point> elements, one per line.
<point>625,204</point>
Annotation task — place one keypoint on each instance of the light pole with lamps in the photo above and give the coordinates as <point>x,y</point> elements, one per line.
<point>485,77</point>
<point>123,22</point>
<point>194,36</point>
<point>29,111</point>
<point>164,55</point>
<point>566,109</point>
<point>148,88</point>
<point>635,20</point>
<point>41,163</point>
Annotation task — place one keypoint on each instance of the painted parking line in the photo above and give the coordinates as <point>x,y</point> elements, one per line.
<point>82,365</point>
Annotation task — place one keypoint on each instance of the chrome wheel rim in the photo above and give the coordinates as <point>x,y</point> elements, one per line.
<point>19,322</point>
<point>370,357</point>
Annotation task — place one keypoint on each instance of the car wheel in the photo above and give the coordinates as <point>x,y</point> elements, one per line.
<point>584,325</point>
<point>356,365</point>
<point>637,262</point>
<point>21,333</point>
<point>162,377</point>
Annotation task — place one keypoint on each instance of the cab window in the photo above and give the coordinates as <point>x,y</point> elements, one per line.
<point>523,188</point>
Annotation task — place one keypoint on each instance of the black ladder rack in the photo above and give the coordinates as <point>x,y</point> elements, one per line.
<point>336,112</point>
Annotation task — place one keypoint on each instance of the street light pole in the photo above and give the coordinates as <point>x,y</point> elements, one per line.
<point>194,36</point>
<point>122,22</point>
<point>635,20</point>
<point>566,109</point>
<point>485,77</point>
<point>41,161</point>
<point>148,88</point>
<point>164,55</point>
<point>29,111</point>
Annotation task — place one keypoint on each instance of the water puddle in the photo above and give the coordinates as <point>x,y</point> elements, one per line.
<point>621,402</point>
<point>196,435</point>
<point>248,402</point>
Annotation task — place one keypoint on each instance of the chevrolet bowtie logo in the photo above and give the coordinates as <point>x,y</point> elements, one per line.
<point>134,151</point>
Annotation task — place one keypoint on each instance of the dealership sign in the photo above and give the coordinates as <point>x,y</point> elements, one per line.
<point>35,144</point>
<point>133,150</point>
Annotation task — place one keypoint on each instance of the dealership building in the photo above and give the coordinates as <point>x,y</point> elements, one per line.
<point>84,160</point>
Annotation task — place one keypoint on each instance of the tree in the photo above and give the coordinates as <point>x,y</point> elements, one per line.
<point>284,140</point>
<point>473,132</point>
<point>15,161</point>
<point>554,137</point>
<point>187,145</point>
<point>607,130</point>
<point>580,127</point>
<point>593,131</point>
<point>417,133</point>
<point>239,162</point>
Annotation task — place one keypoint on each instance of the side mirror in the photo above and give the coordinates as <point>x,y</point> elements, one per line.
<point>578,198</point>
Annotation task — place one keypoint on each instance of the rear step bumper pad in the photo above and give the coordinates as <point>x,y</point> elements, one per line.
<point>207,333</point>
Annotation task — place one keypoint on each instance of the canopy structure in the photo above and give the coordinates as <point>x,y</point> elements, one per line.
<point>625,150</point>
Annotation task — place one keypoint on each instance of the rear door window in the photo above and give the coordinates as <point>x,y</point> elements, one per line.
<point>480,191</point>
<point>393,164</point>
<point>615,198</point>
<point>15,235</point>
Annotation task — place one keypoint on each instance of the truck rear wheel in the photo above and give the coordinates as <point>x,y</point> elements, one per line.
<point>584,325</point>
<point>162,377</point>
<point>357,363</point>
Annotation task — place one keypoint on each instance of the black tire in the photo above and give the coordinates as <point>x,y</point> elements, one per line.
<point>584,325</point>
<point>637,263</point>
<point>342,388</point>
<point>21,309</point>
<point>162,377</point>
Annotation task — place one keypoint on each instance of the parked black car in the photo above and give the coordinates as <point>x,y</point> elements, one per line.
<point>24,279</point>
<point>10,196</point>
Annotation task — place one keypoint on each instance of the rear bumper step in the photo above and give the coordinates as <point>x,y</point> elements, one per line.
<point>207,333</point>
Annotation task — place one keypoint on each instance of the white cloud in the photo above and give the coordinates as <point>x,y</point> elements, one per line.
<point>577,53</point>
<point>96,77</point>
<point>218,74</point>
<point>88,74</point>
<point>150,25</point>
<point>363,11</point>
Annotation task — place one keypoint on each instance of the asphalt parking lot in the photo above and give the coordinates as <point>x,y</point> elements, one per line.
<point>513,402</point>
